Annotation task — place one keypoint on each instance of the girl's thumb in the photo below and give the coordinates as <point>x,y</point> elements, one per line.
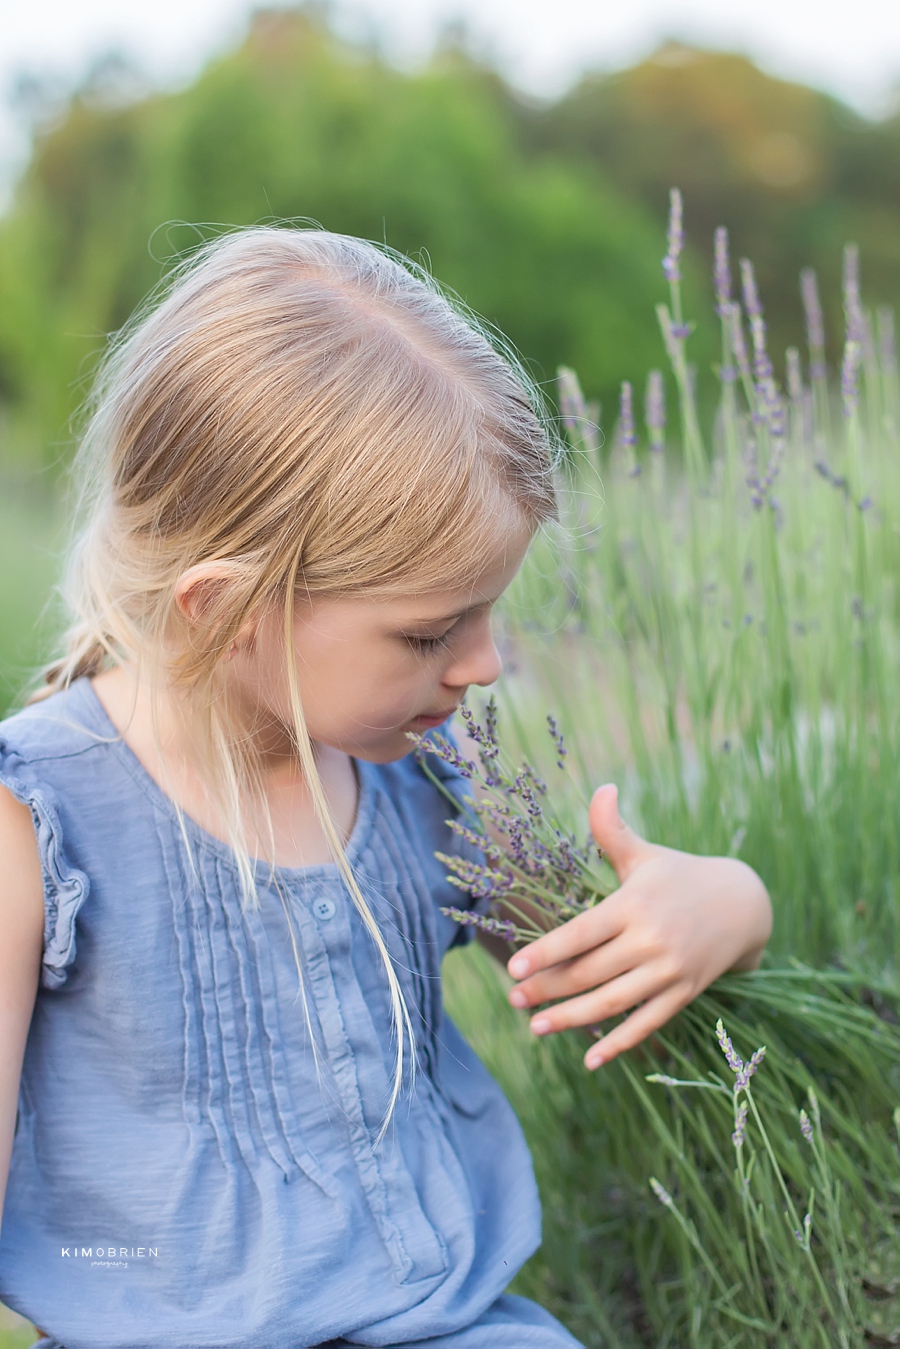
<point>622,847</point>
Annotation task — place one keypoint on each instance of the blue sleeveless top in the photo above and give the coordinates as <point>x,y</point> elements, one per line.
<point>196,1158</point>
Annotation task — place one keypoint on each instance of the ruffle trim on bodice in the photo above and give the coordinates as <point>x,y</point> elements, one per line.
<point>65,887</point>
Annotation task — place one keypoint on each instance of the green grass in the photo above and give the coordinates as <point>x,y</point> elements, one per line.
<point>719,630</point>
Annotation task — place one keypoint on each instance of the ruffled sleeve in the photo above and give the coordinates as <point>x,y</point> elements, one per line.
<point>65,887</point>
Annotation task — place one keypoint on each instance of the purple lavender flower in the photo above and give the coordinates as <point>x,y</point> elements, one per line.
<point>722,272</point>
<point>850,376</point>
<point>675,236</point>
<point>476,840</point>
<point>446,751</point>
<point>740,1126</point>
<point>732,1058</point>
<point>486,739</point>
<point>743,1078</point>
<point>556,736</point>
<point>806,1127</point>
<point>815,323</point>
<point>479,881</point>
<point>655,409</point>
<point>496,927</point>
<point>749,289</point>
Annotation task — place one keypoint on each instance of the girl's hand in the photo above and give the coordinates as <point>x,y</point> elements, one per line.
<point>676,923</point>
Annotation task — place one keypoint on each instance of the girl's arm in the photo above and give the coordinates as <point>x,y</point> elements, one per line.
<point>674,925</point>
<point>21,941</point>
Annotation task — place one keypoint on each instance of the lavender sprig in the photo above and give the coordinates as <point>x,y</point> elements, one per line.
<point>556,736</point>
<point>495,927</point>
<point>722,272</point>
<point>675,236</point>
<point>542,868</point>
<point>742,1071</point>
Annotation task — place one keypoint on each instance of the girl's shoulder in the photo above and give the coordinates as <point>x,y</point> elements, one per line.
<point>61,726</point>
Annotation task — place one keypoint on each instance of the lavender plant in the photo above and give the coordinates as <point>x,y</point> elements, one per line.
<point>720,634</point>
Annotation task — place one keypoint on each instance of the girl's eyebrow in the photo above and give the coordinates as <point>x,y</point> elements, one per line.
<point>452,618</point>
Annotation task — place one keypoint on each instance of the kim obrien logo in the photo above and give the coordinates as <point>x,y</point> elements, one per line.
<point>109,1257</point>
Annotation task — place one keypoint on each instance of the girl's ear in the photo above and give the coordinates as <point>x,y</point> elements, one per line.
<point>202,590</point>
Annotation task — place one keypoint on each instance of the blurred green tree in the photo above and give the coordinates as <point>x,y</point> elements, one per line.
<point>297,124</point>
<point>792,172</point>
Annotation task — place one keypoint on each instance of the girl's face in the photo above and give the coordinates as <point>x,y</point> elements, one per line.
<point>370,670</point>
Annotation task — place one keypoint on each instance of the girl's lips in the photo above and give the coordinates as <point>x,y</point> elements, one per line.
<point>432,719</point>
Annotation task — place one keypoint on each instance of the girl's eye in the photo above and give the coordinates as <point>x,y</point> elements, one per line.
<point>426,645</point>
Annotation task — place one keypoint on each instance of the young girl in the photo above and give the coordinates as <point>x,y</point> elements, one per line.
<point>243,1118</point>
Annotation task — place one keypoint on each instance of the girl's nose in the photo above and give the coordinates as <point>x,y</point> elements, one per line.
<point>478,663</point>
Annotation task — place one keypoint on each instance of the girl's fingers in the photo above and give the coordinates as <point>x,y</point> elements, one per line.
<point>595,966</point>
<point>622,847</point>
<point>593,928</point>
<point>614,998</point>
<point>646,1019</point>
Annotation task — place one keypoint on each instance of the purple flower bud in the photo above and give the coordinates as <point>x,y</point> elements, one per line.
<point>806,1127</point>
<point>626,435</point>
<point>740,1126</point>
<point>722,272</point>
<point>749,289</point>
<point>743,1078</point>
<point>732,1058</point>
<point>496,927</point>
<point>675,236</point>
<point>556,736</point>
<point>449,754</point>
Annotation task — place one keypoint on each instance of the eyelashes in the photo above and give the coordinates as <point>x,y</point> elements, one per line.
<point>426,646</point>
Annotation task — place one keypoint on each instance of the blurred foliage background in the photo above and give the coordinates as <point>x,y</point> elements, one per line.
<point>547,218</point>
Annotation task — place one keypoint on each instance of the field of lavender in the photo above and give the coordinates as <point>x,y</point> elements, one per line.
<point>716,626</point>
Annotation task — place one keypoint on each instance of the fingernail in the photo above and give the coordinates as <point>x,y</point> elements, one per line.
<point>517,998</point>
<point>518,967</point>
<point>593,1060</point>
<point>540,1025</point>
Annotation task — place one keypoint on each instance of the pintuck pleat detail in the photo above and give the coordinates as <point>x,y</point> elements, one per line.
<point>405,912</point>
<point>235,1077</point>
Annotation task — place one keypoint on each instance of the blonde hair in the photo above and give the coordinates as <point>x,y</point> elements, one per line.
<point>312,413</point>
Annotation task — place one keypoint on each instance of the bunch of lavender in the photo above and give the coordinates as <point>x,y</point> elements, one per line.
<point>535,874</point>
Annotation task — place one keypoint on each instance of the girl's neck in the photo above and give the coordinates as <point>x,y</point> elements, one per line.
<point>282,828</point>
